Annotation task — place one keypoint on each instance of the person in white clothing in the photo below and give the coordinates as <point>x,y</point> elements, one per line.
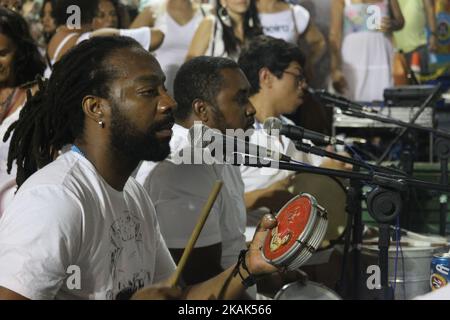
<point>82,212</point>
<point>274,69</point>
<point>66,36</point>
<point>20,63</point>
<point>291,23</point>
<point>361,47</point>
<point>223,33</point>
<point>178,20</point>
<point>213,91</point>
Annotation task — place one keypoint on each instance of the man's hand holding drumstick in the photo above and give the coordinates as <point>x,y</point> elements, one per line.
<point>226,285</point>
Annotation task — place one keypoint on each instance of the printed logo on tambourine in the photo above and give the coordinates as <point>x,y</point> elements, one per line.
<point>279,238</point>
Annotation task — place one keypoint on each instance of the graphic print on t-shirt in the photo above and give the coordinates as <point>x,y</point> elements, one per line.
<point>276,28</point>
<point>126,253</point>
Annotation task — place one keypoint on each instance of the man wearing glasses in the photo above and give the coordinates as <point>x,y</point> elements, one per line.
<point>274,69</point>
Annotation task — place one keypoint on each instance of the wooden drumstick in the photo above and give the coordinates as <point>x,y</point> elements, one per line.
<point>198,228</point>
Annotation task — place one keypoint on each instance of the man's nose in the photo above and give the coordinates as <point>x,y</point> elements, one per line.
<point>167,103</point>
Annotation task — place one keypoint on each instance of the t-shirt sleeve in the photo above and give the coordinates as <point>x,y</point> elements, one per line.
<point>179,193</point>
<point>84,36</point>
<point>302,18</point>
<point>142,35</point>
<point>39,239</point>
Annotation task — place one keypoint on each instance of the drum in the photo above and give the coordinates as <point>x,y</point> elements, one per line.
<point>413,263</point>
<point>306,291</point>
<point>330,193</point>
<point>302,224</point>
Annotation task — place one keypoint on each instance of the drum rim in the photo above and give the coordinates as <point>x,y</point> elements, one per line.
<point>312,232</point>
<point>343,188</point>
<point>306,282</point>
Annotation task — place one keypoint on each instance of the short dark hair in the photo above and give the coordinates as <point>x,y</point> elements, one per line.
<point>267,52</point>
<point>27,60</point>
<point>54,117</point>
<point>199,78</point>
<point>88,10</point>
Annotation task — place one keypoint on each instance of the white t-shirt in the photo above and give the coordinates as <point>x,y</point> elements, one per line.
<point>179,192</point>
<point>281,25</point>
<point>172,53</point>
<point>216,46</point>
<point>65,222</point>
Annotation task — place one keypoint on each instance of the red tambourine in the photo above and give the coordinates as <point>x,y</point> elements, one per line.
<point>302,224</point>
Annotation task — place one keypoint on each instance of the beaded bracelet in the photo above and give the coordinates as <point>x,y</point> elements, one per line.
<point>251,279</point>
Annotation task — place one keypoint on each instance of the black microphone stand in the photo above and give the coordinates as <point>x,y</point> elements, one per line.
<point>355,110</point>
<point>430,98</point>
<point>353,208</point>
<point>384,202</point>
<point>443,153</point>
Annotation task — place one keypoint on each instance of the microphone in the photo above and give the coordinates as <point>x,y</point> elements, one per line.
<point>339,101</point>
<point>203,137</point>
<point>298,133</point>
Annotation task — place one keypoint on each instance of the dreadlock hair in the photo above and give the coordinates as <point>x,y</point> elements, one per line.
<point>231,42</point>
<point>53,117</point>
<point>27,60</point>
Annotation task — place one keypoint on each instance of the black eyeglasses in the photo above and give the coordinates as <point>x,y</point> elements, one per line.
<point>299,78</point>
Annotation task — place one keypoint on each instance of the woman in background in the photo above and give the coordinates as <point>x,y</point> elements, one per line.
<point>47,20</point>
<point>361,46</point>
<point>178,20</point>
<point>20,63</point>
<point>222,35</point>
<point>65,38</point>
<point>291,23</point>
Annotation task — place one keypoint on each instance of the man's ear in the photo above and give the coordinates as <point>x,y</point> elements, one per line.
<point>200,108</point>
<point>265,78</point>
<point>94,108</point>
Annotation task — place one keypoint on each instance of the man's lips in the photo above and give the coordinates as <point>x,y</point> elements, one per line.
<point>165,130</point>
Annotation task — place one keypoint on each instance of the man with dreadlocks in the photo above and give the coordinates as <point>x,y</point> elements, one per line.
<point>81,215</point>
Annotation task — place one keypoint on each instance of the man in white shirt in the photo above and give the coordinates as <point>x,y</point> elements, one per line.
<point>79,227</point>
<point>213,91</point>
<point>274,69</point>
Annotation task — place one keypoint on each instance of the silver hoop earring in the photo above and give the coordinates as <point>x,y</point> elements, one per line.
<point>101,124</point>
<point>224,17</point>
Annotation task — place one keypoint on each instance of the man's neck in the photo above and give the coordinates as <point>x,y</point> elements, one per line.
<point>114,166</point>
<point>264,107</point>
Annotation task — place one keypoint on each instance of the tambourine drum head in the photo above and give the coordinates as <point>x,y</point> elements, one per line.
<point>330,194</point>
<point>306,291</point>
<point>292,221</point>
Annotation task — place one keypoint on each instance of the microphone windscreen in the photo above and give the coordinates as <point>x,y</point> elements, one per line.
<point>272,123</point>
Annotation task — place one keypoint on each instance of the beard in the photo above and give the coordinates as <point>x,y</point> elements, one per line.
<point>136,145</point>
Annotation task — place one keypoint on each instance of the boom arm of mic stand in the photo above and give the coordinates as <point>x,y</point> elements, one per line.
<point>393,182</point>
<point>308,148</point>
